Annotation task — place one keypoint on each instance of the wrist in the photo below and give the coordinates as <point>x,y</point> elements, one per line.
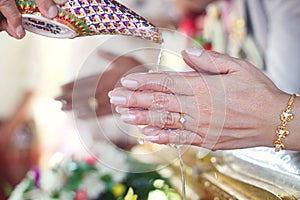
<point>287,126</point>
<point>292,141</point>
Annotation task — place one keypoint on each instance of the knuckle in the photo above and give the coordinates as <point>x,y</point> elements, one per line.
<point>183,138</point>
<point>167,84</point>
<point>132,99</point>
<point>160,101</point>
<point>4,3</point>
<point>167,119</point>
<point>220,61</point>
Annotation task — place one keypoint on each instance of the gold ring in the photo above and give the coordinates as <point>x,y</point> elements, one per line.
<point>93,103</point>
<point>182,121</point>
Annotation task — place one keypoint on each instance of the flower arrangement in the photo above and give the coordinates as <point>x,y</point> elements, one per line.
<point>85,179</point>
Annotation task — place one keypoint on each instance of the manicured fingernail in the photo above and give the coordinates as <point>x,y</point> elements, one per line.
<point>129,83</point>
<point>128,117</point>
<point>152,138</point>
<point>59,1</point>
<point>52,11</point>
<point>121,110</point>
<point>20,32</point>
<point>194,51</point>
<point>109,94</point>
<point>118,100</point>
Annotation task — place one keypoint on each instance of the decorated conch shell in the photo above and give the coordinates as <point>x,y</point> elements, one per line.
<point>88,17</point>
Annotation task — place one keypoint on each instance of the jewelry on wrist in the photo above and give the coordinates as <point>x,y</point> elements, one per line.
<point>281,131</point>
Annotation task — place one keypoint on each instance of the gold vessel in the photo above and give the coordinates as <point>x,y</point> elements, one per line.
<point>226,176</point>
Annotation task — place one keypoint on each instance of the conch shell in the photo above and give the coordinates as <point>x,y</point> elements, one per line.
<point>88,17</point>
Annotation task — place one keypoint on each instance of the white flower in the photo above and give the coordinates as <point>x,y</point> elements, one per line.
<point>19,190</point>
<point>157,194</point>
<point>117,176</point>
<point>92,185</point>
<point>37,194</point>
<point>111,161</point>
<point>51,180</point>
<point>64,196</point>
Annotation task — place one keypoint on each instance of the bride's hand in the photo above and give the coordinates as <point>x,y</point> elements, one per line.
<point>227,103</point>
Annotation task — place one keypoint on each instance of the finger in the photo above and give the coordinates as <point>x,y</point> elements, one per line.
<point>106,55</point>
<point>153,100</point>
<point>162,136</point>
<point>101,111</point>
<point>86,113</point>
<point>48,8</point>
<point>13,22</point>
<point>210,61</point>
<point>65,99</point>
<point>60,2</point>
<point>162,119</point>
<point>68,86</point>
<point>164,82</point>
<point>80,102</point>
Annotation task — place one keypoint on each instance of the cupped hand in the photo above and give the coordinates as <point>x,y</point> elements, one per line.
<point>226,103</point>
<point>10,17</point>
<point>88,96</point>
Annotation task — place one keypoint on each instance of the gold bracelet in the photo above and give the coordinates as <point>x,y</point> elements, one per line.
<point>281,131</point>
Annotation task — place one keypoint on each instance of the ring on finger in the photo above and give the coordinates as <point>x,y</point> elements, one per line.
<point>166,119</point>
<point>93,103</point>
<point>182,120</point>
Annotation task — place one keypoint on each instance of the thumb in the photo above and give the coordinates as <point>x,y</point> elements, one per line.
<point>209,61</point>
<point>107,55</point>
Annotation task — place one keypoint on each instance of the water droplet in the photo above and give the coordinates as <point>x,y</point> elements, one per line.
<point>141,140</point>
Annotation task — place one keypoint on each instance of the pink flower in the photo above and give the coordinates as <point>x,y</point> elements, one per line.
<point>80,195</point>
<point>91,160</point>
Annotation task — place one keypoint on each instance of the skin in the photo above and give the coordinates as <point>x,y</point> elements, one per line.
<point>8,127</point>
<point>191,6</point>
<point>227,103</point>
<point>104,82</point>
<point>10,19</point>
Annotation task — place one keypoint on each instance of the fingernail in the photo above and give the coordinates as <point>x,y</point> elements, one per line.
<point>121,110</point>
<point>128,117</point>
<point>63,102</point>
<point>129,83</point>
<point>152,138</point>
<point>109,94</point>
<point>52,11</point>
<point>59,1</point>
<point>194,51</point>
<point>118,100</point>
<point>20,31</point>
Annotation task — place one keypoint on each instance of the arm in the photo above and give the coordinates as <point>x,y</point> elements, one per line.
<point>226,103</point>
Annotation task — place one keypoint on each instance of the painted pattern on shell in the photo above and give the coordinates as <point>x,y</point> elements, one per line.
<point>95,17</point>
